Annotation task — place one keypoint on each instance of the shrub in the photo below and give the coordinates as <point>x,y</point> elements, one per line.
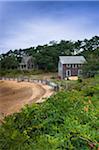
<point>79,80</point>
<point>89,91</point>
<point>67,120</point>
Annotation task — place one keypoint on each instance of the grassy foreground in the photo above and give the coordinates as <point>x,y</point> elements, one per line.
<point>66,121</point>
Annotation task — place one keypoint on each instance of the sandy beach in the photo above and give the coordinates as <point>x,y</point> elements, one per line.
<point>14,95</point>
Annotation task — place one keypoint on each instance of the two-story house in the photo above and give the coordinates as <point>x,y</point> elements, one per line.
<point>70,66</point>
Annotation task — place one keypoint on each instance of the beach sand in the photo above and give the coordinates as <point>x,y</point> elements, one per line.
<point>14,95</point>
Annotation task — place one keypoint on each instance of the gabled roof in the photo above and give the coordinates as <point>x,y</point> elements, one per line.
<point>72,59</point>
<point>25,59</point>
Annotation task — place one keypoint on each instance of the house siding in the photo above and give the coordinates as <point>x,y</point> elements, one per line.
<point>74,71</point>
<point>60,70</point>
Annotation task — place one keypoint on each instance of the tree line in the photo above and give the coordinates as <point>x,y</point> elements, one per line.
<point>46,56</point>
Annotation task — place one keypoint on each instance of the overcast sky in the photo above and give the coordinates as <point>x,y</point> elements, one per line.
<point>25,24</point>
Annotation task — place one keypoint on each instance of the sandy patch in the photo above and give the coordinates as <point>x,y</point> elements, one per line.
<point>73,78</point>
<point>14,95</point>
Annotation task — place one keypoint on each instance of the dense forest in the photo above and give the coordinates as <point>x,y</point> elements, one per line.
<point>46,56</point>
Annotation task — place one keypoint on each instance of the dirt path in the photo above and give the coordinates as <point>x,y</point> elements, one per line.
<point>14,95</point>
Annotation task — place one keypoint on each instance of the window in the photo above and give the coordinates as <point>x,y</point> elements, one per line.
<point>74,65</point>
<point>79,65</point>
<point>68,73</point>
<point>68,65</point>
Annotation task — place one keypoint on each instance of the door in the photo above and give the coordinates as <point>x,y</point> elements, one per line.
<point>68,73</point>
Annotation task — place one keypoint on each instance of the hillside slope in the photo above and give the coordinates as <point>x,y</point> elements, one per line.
<point>66,121</point>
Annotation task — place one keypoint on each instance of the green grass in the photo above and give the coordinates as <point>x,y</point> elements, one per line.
<point>15,73</point>
<point>36,74</point>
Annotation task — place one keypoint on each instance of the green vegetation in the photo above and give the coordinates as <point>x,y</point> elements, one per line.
<point>91,67</point>
<point>46,56</point>
<point>66,121</point>
<point>17,73</point>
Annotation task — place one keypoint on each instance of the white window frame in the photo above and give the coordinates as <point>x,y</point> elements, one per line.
<point>68,70</point>
<point>74,65</point>
<point>68,65</point>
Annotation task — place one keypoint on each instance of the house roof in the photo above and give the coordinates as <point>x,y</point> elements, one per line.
<point>72,59</point>
<point>25,59</point>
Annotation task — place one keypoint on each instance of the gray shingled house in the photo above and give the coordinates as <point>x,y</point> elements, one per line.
<point>70,66</point>
<point>27,63</point>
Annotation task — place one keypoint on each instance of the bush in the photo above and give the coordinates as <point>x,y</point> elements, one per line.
<point>79,80</point>
<point>67,120</point>
<point>89,91</point>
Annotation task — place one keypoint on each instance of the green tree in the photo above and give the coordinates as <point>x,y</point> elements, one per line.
<point>91,67</point>
<point>9,62</point>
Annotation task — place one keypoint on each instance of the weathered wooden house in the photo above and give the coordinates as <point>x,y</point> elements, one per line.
<point>70,66</point>
<point>27,63</point>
